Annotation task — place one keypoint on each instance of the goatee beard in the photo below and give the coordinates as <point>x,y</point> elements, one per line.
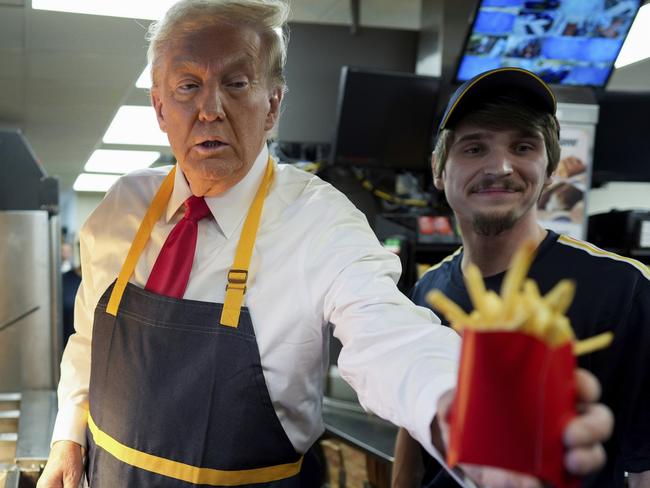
<point>490,225</point>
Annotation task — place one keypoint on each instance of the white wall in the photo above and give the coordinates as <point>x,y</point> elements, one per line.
<point>75,209</point>
<point>633,77</point>
<point>620,196</point>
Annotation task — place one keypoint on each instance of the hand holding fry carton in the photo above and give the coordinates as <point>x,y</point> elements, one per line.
<point>516,387</point>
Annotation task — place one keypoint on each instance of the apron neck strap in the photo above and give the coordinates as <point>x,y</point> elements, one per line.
<point>154,212</point>
<point>237,275</point>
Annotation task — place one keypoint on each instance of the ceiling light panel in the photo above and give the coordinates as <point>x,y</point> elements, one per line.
<point>141,9</point>
<point>118,161</point>
<point>94,182</point>
<point>135,125</point>
<point>637,43</point>
<point>144,80</point>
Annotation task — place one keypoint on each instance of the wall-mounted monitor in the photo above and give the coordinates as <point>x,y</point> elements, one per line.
<point>567,42</point>
<point>622,143</point>
<point>385,119</point>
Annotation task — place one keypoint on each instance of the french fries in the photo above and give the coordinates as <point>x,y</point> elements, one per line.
<point>521,307</point>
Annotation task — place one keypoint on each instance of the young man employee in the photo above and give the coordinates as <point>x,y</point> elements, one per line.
<point>497,148</point>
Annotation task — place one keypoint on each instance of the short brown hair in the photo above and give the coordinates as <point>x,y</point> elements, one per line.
<point>505,113</point>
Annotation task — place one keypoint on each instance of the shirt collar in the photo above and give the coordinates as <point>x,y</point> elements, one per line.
<point>230,207</point>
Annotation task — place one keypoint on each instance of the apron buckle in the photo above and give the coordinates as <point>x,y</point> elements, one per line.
<point>237,279</point>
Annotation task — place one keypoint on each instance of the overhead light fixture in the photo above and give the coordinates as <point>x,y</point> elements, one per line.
<point>637,44</point>
<point>136,125</point>
<point>118,161</point>
<point>94,182</point>
<point>144,81</point>
<point>142,9</point>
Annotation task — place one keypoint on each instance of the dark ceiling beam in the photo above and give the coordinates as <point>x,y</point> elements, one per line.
<point>355,7</point>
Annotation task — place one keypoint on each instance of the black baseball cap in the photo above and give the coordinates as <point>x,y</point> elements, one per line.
<point>518,83</point>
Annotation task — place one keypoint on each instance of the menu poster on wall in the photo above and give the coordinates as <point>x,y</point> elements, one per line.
<point>561,206</point>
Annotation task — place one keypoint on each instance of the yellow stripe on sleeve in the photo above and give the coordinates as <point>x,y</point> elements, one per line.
<point>596,251</point>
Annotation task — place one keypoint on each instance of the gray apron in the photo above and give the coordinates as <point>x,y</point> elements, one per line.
<point>178,397</point>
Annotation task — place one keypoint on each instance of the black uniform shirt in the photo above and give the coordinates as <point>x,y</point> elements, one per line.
<point>612,293</point>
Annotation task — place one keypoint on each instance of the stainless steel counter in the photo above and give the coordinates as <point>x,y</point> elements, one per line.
<point>26,423</point>
<point>37,415</point>
<point>364,431</point>
<point>10,478</point>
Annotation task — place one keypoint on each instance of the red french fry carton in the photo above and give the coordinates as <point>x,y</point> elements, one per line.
<point>514,397</point>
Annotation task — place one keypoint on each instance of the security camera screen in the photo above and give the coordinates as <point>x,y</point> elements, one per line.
<point>567,42</point>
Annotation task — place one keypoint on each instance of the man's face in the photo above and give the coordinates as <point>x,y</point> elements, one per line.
<point>493,178</point>
<point>213,99</point>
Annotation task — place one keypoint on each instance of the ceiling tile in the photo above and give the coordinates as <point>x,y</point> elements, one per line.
<point>13,64</point>
<point>89,68</point>
<point>54,31</point>
<point>12,23</point>
<point>11,100</point>
<point>310,11</point>
<point>403,14</point>
<point>51,95</point>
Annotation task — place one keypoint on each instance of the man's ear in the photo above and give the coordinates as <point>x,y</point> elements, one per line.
<point>437,180</point>
<point>548,180</point>
<point>157,106</point>
<point>275,102</point>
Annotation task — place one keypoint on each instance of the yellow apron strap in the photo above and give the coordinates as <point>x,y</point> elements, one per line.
<point>238,274</point>
<point>187,472</point>
<point>154,212</point>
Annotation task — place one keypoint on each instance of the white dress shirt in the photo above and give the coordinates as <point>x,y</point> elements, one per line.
<point>316,261</point>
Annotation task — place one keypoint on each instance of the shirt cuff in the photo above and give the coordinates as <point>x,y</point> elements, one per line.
<point>71,425</point>
<point>426,409</point>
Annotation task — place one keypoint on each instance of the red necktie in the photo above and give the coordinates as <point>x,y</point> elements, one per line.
<point>171,271</point>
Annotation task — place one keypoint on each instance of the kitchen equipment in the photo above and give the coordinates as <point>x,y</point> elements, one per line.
<point>30,289</point>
